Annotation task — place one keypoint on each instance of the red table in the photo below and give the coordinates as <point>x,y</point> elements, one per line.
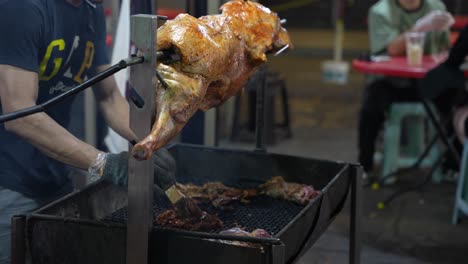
<point>396,67</point>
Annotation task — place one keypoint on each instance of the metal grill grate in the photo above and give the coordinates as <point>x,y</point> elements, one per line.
<point>262,212</point>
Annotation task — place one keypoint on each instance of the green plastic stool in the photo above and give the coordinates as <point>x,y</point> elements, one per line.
<point>461,195</point>
<point>398,156</point>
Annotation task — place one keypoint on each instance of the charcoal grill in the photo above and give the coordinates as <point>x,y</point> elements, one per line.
<point>92,226</point>
<point>88,226</point>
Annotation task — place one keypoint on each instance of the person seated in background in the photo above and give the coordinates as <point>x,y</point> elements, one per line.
<point>445,87</point>
<point>389,20</point>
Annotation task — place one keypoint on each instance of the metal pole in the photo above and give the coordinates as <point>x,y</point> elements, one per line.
<point>194,130</point>
<point>18,239</point>
<point>140,173</point>
<point>210,129</point>
<point>260,113</point>
<point>355,218</point>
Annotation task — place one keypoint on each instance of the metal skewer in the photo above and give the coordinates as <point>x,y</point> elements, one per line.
<point>281,50</point>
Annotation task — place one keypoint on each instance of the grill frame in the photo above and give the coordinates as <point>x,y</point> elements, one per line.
<point>69,231</point>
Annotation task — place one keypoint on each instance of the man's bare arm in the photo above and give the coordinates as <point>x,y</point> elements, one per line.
<point>113,106</point>
<point>19,90</point>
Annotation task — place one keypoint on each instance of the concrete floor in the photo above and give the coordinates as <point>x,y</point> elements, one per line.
<point>416,227</point>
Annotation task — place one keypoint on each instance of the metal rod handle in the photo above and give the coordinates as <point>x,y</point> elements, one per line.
<point>60,98</point>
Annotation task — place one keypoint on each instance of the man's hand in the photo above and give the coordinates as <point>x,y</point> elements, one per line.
<point>115,169</point>
<point>434,21</point>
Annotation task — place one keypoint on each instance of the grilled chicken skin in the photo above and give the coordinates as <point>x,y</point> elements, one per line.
<point>218,54</point>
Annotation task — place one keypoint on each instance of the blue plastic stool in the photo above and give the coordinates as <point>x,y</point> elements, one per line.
<point>461,195</point>
<point>396,155</point>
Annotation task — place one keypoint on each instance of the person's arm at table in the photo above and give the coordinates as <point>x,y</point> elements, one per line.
<point>382,34</point>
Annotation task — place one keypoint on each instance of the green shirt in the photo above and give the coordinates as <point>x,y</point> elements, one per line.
<point>388,20</point>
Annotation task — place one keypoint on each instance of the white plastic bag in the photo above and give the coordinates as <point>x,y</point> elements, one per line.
<point>434,21</point>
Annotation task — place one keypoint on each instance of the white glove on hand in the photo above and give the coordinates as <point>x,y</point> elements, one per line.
<point>435,20</point>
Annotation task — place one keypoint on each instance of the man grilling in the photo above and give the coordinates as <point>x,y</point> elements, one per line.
<point>47,47</point>
<point>389,20</point>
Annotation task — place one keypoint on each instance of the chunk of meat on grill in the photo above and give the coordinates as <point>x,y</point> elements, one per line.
<point>277,187</point>
<point>218,54</point>
<point>220,195</point>
<point>206,222</point>
<point>237,231</point>
<point>216,193</point>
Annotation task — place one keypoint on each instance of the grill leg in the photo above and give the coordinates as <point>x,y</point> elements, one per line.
<point>355,219</point>
<point>18,239</point>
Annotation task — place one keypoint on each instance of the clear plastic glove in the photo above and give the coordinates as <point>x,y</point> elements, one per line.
<point>434,21</point>
<point>114,168</point>
<point>110,167</point>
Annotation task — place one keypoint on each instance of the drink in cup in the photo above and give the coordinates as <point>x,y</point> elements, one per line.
<point>415,47</point>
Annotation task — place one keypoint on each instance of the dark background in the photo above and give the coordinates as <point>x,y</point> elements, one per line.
<point>319,13</point>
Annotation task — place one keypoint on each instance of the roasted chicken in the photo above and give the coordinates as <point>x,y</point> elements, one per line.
<point>218,54</point>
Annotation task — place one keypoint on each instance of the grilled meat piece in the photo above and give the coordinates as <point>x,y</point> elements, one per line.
<point>220,195</point>
<point>277,187</point>
<point>236,231</point>
<point>218,54</point>
<point>206,222</point>
<point>216,193</point>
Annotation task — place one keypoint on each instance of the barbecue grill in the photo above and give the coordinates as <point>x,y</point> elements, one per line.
<point>105,224</point>
<point>89,226</point>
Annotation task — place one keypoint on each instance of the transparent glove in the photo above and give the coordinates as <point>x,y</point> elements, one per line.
<point>434,21</point>
<point>111,167</point>
<point>114,168</point>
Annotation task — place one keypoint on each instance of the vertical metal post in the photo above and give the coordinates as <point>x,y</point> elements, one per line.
<point>18,239</point>
<point>355,219</point>
<point>278,254</point>
<point>140,181</point>
<point>260,115</point>
<point>194,131</point>
<point>458,7</point>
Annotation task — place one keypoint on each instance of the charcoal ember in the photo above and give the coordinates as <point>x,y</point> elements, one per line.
<point>207,222</point>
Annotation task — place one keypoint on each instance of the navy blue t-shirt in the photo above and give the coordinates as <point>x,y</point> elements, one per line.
<point>64,44</point>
